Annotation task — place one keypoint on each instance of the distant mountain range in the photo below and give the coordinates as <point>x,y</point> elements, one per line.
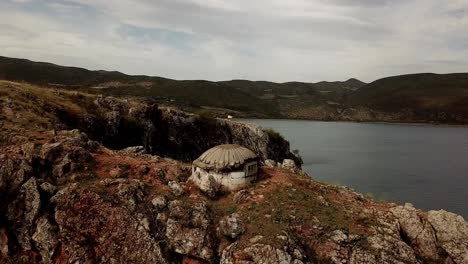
<point>426,97</point>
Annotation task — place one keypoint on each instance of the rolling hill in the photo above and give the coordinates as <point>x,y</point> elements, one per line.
<point>442,97</point>
<point>190,94</point>
<point>426,97</point>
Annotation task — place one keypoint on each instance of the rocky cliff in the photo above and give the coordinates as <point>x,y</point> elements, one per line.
<point>120,123</point>
<point>67,198</point>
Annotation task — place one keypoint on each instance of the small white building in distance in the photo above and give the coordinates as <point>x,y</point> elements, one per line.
<point>229,166</point>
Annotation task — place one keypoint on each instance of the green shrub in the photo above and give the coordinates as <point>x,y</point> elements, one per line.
<point>273,135</point>
<point>231,209</point>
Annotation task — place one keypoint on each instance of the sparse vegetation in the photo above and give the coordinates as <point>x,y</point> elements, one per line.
<point>231,209</point>
<point>273,135</point>
<point>162,175</point>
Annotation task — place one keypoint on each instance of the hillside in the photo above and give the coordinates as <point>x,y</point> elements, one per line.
<point>264,89</point>
<point>237,97</point>
<point>422,98</point>
<point>188,94</point>
<point>97,197</point>
<point>442,97</point>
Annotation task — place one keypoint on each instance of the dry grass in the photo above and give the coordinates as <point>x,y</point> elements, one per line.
<point>38,107</point>
<point>285,202</point>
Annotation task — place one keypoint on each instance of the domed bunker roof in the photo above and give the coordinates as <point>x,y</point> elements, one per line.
<point>225,157</point>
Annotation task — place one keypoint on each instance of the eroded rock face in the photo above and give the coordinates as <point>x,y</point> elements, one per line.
<point>385,246</point>
<point>3,244</point>
<point>13,173</point>
<point>452,234</point>
<point>386,249</point>
<point>188,230</point>
<point>192,135</point>
<point>51,151</point>
<point>45,238</point>
<point>96,229</point>
<point>418,230</point>
<point>177,134</point>
<point>61,156</point>
<point>23,211</point>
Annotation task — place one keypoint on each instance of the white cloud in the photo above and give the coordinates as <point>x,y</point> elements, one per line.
<point>276,40</point>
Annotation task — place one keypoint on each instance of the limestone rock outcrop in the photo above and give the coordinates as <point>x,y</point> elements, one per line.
<point>418,231</point>
<point>451,231</point>
<point>289,164</point>
<point>188,230</point>
<point>232,226</point>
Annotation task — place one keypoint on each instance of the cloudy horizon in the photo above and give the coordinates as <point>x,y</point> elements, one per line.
<point>271,40</point>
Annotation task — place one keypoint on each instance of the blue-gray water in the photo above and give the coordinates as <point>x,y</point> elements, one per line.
<point>421,164</point>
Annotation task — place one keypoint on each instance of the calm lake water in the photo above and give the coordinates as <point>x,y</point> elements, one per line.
<point>421,164</point>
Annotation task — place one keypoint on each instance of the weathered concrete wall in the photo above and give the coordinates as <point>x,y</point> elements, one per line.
<point>229,181</point>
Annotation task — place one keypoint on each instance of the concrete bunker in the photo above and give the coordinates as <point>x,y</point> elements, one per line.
<point>229,166</point>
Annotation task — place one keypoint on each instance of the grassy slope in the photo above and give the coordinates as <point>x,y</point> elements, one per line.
<point>423,92</point>
<point>196,92</point>
<point>259,88</point>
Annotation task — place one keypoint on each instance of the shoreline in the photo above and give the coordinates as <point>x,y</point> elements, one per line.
<point>356,122</point>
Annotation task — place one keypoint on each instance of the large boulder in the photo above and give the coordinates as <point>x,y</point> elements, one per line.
<point>384,246</point>
<point>176,188</point>
<point>159,202</point>
<point>232,226</point>
<point>66,153</point>
<point>51,151</point>
<point>13,173</point>
<point>417,229</point>
<point>188,230</point>
<point>289,164</point>
<point>270,163</point>
<point>452,234</point>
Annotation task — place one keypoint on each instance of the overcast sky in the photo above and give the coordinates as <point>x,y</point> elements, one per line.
<point>276,40</point>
